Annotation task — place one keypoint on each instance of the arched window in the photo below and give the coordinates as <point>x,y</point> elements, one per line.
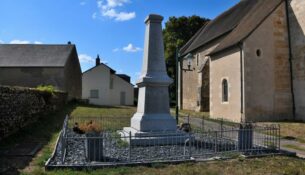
<point>225,90</point>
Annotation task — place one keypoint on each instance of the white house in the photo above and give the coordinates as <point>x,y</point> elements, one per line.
<point>101,86</point>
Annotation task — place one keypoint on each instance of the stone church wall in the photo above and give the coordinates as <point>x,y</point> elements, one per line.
<point>21,106</point>
<point>267,70</point>
<point>225,65</point>
<point>297,30</point>
<point>195,94</point>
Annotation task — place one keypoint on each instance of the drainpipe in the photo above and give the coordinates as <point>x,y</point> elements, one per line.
<point>177,84</point>
<point>242,105</point>
<point>290,59</point>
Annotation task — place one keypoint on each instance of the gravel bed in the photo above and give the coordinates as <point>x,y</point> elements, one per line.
<point>118,151</point>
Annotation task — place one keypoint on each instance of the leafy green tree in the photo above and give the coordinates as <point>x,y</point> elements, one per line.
<point>176,33</point>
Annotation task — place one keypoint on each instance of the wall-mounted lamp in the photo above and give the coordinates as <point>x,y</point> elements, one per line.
<point>189,57</point>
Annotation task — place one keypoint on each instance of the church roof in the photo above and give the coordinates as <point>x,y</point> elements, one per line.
<point>186,46</point>
<point>234,24</point>
<point>248,24</point>
<point>35,55</point>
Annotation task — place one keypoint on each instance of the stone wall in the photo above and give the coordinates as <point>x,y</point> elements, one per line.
<point>267,70</point>
<point>225,66</point>
<point>297,30</point>
<point>195,84</point>
<point>73,77</point>
<point>20,106</point>
<point>189,87</point>
<point>33,76</point>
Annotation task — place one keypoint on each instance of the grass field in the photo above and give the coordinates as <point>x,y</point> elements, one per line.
<point>289,130</point>
<point>292,130</point>
<point>48,128</point>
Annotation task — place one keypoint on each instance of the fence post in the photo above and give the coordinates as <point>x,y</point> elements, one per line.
<point>215,144</point>
<point>221,127</point>
<point>190,148</point>
<point>202,124</point>
<point>188,119</point>
<point>279,136</point>
<point>129,156</point>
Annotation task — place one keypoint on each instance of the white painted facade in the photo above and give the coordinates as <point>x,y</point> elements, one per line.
<point>103,87</point>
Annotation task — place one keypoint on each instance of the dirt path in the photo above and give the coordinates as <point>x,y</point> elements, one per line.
<point>285,144</point>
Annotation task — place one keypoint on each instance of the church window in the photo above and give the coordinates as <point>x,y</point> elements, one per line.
<point>258,52</point>
<point>197,59</point>
<point>225,90</point>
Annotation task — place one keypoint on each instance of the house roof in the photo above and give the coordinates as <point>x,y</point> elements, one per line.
<point>234,24</point>
<point>34,55</point>
<point>111,71</point>
<point>101,64</point>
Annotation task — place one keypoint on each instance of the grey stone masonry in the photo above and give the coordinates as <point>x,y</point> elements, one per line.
<point>21,106</point>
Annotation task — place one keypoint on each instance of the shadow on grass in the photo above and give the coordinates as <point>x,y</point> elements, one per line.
<point>103,106</point>
<point>42,131</point>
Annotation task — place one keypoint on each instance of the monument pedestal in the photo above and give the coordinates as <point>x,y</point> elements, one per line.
<point>135,137</point>
<point>153,122</point>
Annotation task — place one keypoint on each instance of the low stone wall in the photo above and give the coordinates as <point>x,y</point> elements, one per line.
<point>20,106</point>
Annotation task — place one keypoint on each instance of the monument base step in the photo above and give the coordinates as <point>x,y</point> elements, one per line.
<point>139,138</point>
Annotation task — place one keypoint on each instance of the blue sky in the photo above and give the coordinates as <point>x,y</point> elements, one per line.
<point>114,29</point>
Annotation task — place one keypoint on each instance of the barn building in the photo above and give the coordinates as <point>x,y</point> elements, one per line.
<point>31,65</point>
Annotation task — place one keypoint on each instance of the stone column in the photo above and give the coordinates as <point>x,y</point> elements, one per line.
<point>153,112</point>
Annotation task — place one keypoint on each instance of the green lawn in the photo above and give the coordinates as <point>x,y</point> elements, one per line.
<point>49,127</point>
<point>292,130</point>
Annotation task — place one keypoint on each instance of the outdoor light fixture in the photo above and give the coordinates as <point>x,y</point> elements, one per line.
<point>189,57</point>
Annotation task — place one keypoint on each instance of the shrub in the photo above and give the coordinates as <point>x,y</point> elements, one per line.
<point>91,126</point>
<point>46,88</point>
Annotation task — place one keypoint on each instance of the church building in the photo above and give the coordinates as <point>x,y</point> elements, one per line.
<point>248,64</point>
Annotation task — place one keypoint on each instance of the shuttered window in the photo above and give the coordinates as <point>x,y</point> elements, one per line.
<point>94,93</point>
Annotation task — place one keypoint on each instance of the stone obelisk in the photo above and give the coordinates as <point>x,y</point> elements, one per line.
<point>153,112</point>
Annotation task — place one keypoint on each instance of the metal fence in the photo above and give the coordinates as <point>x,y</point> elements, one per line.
<point>113,145</point>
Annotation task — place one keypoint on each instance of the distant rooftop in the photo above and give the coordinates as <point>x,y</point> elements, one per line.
<point>34,55</point>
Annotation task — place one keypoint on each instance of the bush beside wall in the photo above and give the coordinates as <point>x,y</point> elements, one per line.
<point>20,106</point>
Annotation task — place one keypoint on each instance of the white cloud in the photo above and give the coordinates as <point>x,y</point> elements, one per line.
<point>131,48</point>
<point>115,3</point>
<point>119,71</point>
<point>84,58</point>
<point>1,42</point>
<point>83,3</point>
<point>38,42</point>
<point>94,15</point>
<point>108,9</point>
<point>16,41</point>
<point>115,50</point>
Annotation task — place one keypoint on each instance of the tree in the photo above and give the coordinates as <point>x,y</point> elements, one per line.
<point>176,33</point>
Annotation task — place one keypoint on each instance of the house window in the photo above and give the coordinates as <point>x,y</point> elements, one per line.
<point>111,82</point>
<point>225,90</point>
<point>94,93</point>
